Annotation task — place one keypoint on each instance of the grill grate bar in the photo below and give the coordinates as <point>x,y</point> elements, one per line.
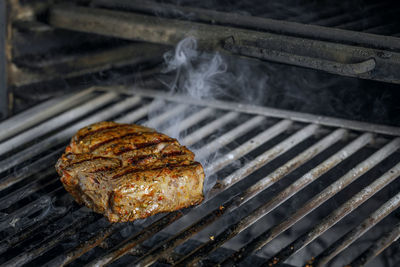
<point>65,258</point>
<point>29,209</point>
<point>274,113</point>
<point>229,136</point>
<point>26,171</point>
<point>326,194</point>
<point>40,113</point>
<point>155,122</point>
<point>131,243</point>
<point>296,187</point>
<point>379,246</point>
<point>27,232</point>
<point>249,146</point>
<point>191,120</point>
<point>209,128</point>
<point>269,155</point>
<point>27,189</point>
<point>139,113</point>
<point>58,121</point>
<point>48,244</point>
<point>368,223</point>
<point>292,164</point>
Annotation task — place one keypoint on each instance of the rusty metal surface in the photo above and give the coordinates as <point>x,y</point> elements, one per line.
<point>270,112</point>
<point>378,246</point>
<point>334,67</point>
<point>254,22</point>
<point>314,139</point>
<point>29,72</point>
<point>368,223</point>
<point>327,193</point>
<point>379,65</point>
<point>277,200</point>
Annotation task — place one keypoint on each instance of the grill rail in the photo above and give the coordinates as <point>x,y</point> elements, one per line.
<point>260,136</point>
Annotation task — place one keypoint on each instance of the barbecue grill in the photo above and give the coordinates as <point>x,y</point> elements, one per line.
<point>283,187</point>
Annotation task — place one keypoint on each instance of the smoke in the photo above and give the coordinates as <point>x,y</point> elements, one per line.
<point>203,75</point>
<point>197,75</point>
<point>200,75</point>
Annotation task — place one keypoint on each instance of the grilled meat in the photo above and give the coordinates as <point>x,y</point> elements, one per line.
<point>129,172</point>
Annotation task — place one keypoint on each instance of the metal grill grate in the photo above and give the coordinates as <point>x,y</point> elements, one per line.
<point>265,159</point>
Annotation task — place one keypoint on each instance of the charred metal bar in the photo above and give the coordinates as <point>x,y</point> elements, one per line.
<point>31,208</point>
<point>98,238</point>
<point>26,232</point>
<point>294,163</point>
<point>274,113</point>
<point>26,171</point>
<point>138,238</point>
<point>53,240</point>
<point>367,224</point>
<point>191,120</point>
<point>33,72</point>
<point>258,23</point>
<point>378,246</point>
<point>264,209</point>
<point>139,113</point>
<point>165,247</point>
<point>323,196</point>
<point>230,136</point>
<point>345,69</point>
<point>29,188</point>
<point>41,112</point>
<point>59,121</point>
<point>161,118</point>
<point>169,31</point>
<point>298,185</point>
<point>269,155</point>
<point>249,146</point>
<point>209,128</point>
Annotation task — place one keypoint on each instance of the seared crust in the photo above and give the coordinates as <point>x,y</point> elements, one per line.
<point>129,172</point>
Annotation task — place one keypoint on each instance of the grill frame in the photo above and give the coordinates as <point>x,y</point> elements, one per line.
<point>331,127</point>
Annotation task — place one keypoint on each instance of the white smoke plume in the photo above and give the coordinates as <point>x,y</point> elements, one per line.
<point>201,75</point>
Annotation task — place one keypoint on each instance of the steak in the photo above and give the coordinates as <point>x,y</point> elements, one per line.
<point>129,172</point>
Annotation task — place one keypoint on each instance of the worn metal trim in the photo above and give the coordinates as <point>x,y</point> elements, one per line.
<point>266,111</point>
<point>133,26</point>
